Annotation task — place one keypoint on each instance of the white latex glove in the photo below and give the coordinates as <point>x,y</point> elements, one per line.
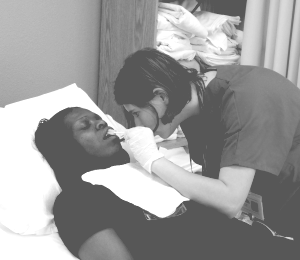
<point>142,144</point>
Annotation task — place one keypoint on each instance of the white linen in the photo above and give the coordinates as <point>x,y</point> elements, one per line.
<point>175,27</point>
<point>163,24</point>
<point>182,18</point>
<point>31,247</point>
<point>177,35</point>
<point>217,22</point>
<point>175,44</point>
<point>214,59</point>
<point>132,183</point>
<point>219,40</point>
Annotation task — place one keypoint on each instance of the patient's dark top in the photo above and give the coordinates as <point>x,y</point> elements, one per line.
<point>88,209</point>
<point>251,118</point>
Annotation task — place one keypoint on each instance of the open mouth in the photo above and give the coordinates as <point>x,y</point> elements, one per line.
<point>112,133</point>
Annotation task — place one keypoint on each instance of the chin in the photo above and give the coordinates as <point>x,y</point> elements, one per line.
<point>119,157</point>
<point>164,135</point>
<point>164,131</point>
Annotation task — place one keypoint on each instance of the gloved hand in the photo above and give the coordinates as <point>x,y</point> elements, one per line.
<point>141,142</point>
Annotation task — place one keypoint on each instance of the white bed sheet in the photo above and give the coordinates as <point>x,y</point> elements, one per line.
<point>17,247</point>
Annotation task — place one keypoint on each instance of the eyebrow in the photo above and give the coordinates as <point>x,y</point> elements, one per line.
<point>80,118</point>
<point>86,116</point>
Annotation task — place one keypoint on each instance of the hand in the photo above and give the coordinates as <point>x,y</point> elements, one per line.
<point>141,142</point>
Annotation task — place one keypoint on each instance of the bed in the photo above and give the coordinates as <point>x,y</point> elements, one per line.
<point>28,187</point>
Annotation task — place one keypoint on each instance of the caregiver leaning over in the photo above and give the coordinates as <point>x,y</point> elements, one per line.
<point>242,124</point>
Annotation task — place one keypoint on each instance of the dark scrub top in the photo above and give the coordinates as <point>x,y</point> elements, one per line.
<point>251,118</point>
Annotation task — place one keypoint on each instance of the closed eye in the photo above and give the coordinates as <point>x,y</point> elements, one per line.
<point>85,125</point>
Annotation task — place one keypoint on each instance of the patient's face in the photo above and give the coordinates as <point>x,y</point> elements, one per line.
<point>90,131</point>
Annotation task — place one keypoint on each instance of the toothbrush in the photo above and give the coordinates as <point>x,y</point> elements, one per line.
<point>121,135</point>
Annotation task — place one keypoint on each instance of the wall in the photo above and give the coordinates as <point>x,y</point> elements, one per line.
<point>46,45</point>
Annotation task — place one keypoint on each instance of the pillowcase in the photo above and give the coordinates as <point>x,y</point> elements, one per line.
<point>28,186</point>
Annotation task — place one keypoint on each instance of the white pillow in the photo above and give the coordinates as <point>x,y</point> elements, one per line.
<point>28,186</point>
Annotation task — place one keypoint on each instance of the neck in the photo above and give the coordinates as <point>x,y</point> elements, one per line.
<point>210,75</point>
<point>121,157</point>
<point>191,108</point>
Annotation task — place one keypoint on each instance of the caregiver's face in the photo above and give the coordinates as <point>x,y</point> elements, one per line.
<point>90,131</point>
<point>142,116</point>
<point>148,118</point>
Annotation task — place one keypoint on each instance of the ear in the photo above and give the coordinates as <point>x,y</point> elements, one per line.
<point>161,93</point>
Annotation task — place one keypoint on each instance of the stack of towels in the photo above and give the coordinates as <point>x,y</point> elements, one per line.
<point>183,35</point>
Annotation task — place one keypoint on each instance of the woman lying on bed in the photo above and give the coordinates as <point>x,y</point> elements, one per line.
<point>96,224</point>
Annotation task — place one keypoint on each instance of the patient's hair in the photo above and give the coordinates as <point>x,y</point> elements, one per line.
<point>147,69</point>
<point>57,145</point>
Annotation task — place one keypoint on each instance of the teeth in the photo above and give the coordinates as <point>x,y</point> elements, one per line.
<point>111,132</point>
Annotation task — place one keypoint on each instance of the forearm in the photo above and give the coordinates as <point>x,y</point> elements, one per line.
<point>210,192</point>
<point>226,194</point>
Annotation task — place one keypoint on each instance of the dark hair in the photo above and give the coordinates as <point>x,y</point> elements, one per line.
<point>54,139</point>
<point>147,69</point>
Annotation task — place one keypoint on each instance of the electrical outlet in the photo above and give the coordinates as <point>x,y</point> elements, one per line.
<point>254,206</point>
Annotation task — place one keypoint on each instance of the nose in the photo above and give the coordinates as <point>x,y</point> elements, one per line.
<point>100,124</point>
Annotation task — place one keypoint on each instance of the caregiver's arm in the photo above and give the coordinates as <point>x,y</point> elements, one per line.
<point>226,194</point>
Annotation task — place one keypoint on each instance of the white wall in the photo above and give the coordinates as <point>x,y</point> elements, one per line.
<point>46,45</point>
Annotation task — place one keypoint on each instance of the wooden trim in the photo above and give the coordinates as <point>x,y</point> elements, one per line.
<point>126,26</point>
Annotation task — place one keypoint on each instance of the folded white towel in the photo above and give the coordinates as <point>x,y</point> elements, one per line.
<point>182,18</point>
<point>165,25</point>
<point>219,40</point>
<point>132,183</point>
<point>214,60</point>
<point>215,22</point>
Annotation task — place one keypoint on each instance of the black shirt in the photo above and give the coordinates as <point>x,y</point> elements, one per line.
<point>88,209</point>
